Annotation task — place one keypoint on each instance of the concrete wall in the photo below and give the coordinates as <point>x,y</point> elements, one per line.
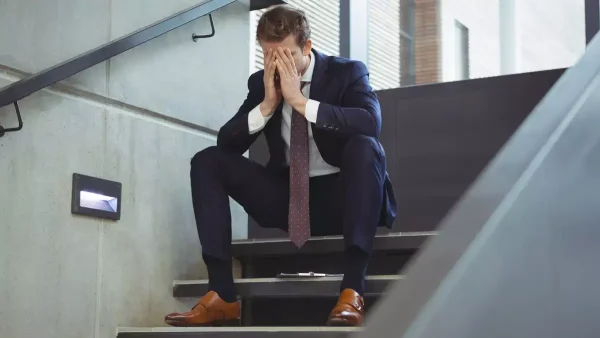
<point>71,277</point>
<point>534,34</point>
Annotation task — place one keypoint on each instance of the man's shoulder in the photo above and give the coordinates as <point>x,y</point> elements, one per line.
<point>338,64</point>
<point>256,79</point>
<point>258,75</point>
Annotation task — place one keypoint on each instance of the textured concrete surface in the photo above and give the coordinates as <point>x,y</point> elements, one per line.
<point>37,34</point>
<point>48,259</point>
<point>175,66</point>
<point>130,15</point>
<point>69,277</point>
<point>156,239</point>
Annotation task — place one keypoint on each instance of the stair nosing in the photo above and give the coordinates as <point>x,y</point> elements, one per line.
<point>337,237</point>
<point>404,242</point>
<point>283,280</point>
<point>237,329</point>
<point>263,288</point>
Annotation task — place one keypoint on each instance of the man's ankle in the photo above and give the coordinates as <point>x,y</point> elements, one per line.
<point>226,294</point>
<point>220,276</point>
<point>356,262</point>
<point>356,283</point>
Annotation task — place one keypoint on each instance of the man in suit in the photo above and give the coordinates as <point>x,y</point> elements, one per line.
<point>326,174</point>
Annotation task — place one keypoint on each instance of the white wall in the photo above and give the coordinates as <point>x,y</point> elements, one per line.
<point>548,34</point>
<point>63,276</point>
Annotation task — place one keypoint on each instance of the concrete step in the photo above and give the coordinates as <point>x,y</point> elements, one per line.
<point>236,332</point>
<point>407,242</point>
<point>275,287</point>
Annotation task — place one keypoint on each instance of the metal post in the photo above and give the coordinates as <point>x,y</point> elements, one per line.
<point>345,28</point>
<point>509,37</point>
<point>354,29</point>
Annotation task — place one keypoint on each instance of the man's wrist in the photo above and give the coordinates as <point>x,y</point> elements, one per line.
<point>267,109</point>
<point>299,104</point>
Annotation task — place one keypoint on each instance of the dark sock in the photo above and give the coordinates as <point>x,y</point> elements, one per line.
<point>220,278</point>
<point>356,262</point>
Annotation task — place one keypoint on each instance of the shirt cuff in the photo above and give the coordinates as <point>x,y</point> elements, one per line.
<point>312,108</point>
<point>256,121</point>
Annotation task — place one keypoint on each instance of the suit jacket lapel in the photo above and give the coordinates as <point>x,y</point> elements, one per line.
<point>316,90</point>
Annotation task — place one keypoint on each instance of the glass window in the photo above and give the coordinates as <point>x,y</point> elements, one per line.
<point>461,37</point>
<point>390,43</point>
<point>384,43</point>
<point>500,37</point>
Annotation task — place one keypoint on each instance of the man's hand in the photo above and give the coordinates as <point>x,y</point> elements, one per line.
<point>272,93</point>
<point>290,80</point>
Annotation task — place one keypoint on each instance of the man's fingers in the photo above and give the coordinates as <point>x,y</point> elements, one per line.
<point>278,67</point>
<point>285,60</point>
<point>276,54</point>
<point>272,68</point>
<point>283,71</point>
<point>288,53</point>
<point>269,57</point>
<point>269,73</point>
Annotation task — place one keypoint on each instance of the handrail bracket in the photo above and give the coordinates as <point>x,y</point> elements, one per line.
<point>195,36</point>
<point>19,127</point>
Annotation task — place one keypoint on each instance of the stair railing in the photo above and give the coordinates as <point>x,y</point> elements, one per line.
<point>11,94</point>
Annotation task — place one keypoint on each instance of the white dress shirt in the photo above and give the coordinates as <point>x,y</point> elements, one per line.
<point>256,122</point>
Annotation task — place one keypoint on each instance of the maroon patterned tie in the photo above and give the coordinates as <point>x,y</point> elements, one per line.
<point>299,214</point>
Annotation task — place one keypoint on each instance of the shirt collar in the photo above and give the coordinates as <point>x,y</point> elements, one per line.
<point>307,77</point>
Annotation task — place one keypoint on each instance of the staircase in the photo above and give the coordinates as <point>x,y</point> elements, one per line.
<point>296,308</point>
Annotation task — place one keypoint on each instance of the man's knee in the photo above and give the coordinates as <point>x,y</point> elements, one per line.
<point>363,148</point>
<point>206,157</point>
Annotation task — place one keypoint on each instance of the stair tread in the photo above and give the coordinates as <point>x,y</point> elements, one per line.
<point>327,244</point>
<point>248,332</point>
<point>276,287</point>
<point>337,237</point>
<point>284,280</point>
<point>241,329</point>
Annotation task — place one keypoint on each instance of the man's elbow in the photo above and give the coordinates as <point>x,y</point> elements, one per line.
<point>369,127</point>
<point>374,126</point>
<point>223,141</point>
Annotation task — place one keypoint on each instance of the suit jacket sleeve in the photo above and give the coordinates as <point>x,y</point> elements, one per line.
<point>234,135</point>
<point>359,114</point>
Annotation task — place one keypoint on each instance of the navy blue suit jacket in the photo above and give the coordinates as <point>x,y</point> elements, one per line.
<point>348,106</point>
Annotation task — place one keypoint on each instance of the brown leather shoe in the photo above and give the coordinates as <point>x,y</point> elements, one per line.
<point>349,310</point>
<point>211,310</point>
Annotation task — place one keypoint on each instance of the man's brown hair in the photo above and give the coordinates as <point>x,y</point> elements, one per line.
<point>278,22</point>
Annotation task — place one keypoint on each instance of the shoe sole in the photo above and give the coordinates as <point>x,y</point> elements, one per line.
<point>339,322</point>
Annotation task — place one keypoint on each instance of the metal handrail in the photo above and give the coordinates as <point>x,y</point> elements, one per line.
<point>25,87</point>
<point>31,84</point>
